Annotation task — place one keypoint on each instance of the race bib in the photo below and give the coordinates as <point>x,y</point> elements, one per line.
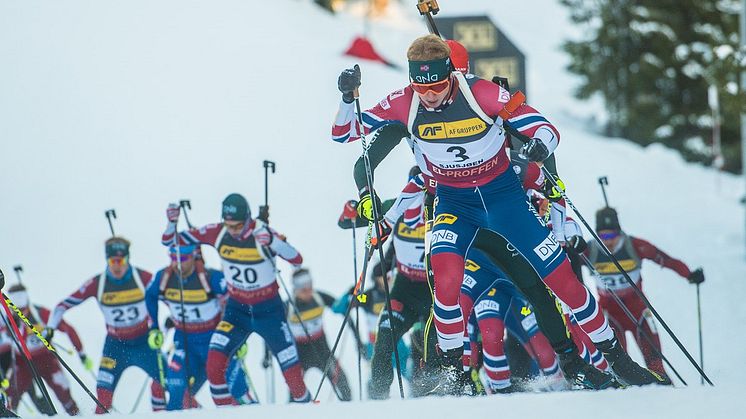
<point>249,277</point>
<point>125,315</point>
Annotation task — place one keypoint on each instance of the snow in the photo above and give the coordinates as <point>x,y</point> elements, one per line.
<point>132,105</point>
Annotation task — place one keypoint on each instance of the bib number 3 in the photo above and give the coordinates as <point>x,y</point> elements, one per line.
<point>460,153</point>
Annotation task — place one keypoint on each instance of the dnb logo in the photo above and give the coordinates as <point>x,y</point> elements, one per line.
<point>444,236</point>
<point>547,248</point>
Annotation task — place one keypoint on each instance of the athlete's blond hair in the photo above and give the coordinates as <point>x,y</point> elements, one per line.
<point>428,47</point>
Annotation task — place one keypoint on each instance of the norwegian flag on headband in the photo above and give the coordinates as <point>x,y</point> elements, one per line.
<point>424,67</point>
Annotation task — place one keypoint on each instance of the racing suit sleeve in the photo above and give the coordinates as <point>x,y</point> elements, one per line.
<point>285,250</point>
<point>203,235</point>
<point>87,290</point>
<point>647,250</point>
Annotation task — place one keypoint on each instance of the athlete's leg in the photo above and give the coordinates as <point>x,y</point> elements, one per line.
<point>50,369</point>
<point>403,318</point>
<point>518,270</point>
<point>511,215</point>
<point>492,327</point>
<point>521,322</point>
<point>646,334</point>
<point>270,323</point>
<point>114,360</point>
<point>176,377</point>
<point>228,336</point>
<point>458,215</point>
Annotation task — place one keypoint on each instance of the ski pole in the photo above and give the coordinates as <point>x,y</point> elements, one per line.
<point>18,269</point>
<point>268,165</point>
<point>111,213</point>
<point>269,370</point>
<point>356,294</point>
<point>249,381</point>
<point>139,395</point>
<point>551,178</point>
<point>376,223</point>
<point>16,335</point>
<point>291,301</point>
<point>357,319</point>
<point>186,204</point>
<point>7,305</point>
<point>626,276</point>
<point>699,330</point>
<point>429,8</point>
<point>183,309</point>
<point>71,353</point>
<point>630,316</point>
<point>603,181</point>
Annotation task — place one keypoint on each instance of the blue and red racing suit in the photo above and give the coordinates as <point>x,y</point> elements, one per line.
<point>253,303</point>
<point>202,310</point>
<point>462,146</point>
<point>122,302</point>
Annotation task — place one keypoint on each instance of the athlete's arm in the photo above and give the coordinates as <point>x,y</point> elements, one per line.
<point>525,119</point>
<point>87,290</point>
<point>380,145</point>
<point>203,235</point>
<point>647,250</point>
<point>393,110</point>
<point>283,249</point>
<point>408,203</point>
<point>152,295</point>
<point>67,329</point>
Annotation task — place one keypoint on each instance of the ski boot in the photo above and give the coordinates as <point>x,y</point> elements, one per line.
<point>579,372</point>
<point>453,378</point>
<point>625,368</point>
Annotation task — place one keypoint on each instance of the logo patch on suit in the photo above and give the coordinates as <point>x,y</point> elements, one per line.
<point>455,129</point>
<point>547,248</point>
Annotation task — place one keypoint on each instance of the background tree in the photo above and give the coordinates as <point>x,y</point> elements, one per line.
<point>652,61</point>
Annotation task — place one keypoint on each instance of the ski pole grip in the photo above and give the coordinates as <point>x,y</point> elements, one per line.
<point>515,101</point>
<point>2,280</point>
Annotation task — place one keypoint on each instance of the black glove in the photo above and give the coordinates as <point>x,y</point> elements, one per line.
<point>264,213</point>
<point>576,244</point>
<point>696,277</point>
<point>535,150</point>
<point>348,82</point>
<point>384,231</point>
<point>169,323</point>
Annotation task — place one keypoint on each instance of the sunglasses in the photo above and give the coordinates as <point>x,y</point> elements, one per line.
<point>182,257</point>
<point>116,261</point>
<point>235,227</point>
<point>437,87</point>
<point>608,236</point>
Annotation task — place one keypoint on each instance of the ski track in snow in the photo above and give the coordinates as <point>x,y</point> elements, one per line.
<point>135,104</point>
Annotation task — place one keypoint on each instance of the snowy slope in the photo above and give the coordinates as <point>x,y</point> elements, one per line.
<point>135,104</point>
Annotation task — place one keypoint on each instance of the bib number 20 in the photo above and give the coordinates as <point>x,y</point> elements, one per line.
<point>245,275</point>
